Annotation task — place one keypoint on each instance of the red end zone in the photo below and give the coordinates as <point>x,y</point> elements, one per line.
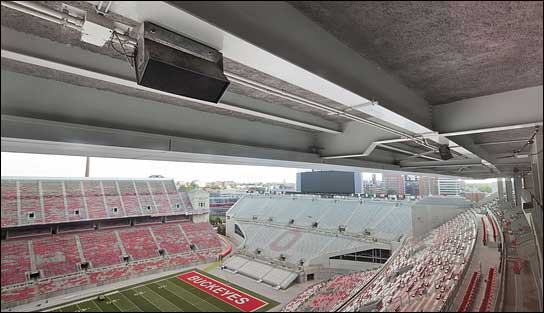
<point>227,294</point>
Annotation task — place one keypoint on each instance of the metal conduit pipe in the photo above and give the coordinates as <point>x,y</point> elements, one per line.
<point>17,7</point>
<point>36,6</point>
<point>291,97</point>
<point>43,12</point>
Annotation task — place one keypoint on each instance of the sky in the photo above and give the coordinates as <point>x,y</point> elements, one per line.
<point>43,165</point>
<point>22,164</point>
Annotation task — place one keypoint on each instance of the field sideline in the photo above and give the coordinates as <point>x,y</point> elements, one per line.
<point>166,294</point>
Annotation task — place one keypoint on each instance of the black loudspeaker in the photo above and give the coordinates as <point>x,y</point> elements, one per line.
<point>172,63</point>
<point>445,152</point>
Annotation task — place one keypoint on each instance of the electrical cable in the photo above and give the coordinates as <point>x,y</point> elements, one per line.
<point>130,58</point>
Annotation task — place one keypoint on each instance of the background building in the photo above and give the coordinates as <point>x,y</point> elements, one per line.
<point>411,185</point>
<point>393,183</point>
<point>450,186</point>
<point>428,186</point>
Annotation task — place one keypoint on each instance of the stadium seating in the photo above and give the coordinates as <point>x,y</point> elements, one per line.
<point>202,235</point>
<point>138,243</point>
<point>295,245</point>
<point>146,199</point>
<point>15,261</point>
<point>88,246</point>
<point>100,248</point>
<point>53,202</point>
<point>31,209</point>
<point>130,200</point>
<point>421,270</point>
<point>9,202</point>
<point>64,200</point>
<point>149,265</point>
<point>160,197</point>
<point>485,306</point>
<point>58,284</point>
<point>18,293</point>
<point>178,260</point>
<point>170,238</point>
<point>300,299</point>
<point>387,220</point>
<point>96,207</point>
<point>56,255</point>
<point>109,274</point>
<point>468,299</point>
<point>186,201</point>
<point>113,199</point>
<point>75,200</point>
<point>331,293</point>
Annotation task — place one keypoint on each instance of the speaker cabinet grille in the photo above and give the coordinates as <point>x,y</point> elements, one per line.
<point>179,69</point>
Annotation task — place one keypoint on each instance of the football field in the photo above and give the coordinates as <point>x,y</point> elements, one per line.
<point>189,291</point>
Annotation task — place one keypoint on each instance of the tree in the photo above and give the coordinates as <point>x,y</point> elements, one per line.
<point>188,186</point>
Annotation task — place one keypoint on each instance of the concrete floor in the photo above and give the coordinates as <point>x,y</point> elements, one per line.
<point>281,296</point>
<point>483,258</point>
<point>521,290</point>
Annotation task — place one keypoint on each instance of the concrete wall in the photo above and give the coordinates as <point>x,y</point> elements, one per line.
<point>353,265</point>
<point>427,217</point>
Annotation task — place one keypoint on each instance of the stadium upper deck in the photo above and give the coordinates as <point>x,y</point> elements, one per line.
<point>387,220</point>
<point>30,201</point>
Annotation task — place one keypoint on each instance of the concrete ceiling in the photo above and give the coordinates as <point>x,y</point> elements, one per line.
<point>444,50</point>
<point>13,21</point>
<point>380,53</point>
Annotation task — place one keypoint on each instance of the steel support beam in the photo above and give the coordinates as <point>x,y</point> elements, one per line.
<point>132,84</point>
<point>448,163</point>
<point>500,111</point>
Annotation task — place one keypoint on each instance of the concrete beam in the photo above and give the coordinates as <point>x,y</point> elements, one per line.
<point>517,189</point>
<point>509,191</point>
<point>511,108</point>
<point>29,135</point>
<point>537,169</point>
<point>500,189</point>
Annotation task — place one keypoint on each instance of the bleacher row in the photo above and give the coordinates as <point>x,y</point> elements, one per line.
<point>294,245</point>
<point>423,274</point>
<point>470,293</point>
<point>42,201</point>
<point>64,254</point>
<point>382,219</point>
<point>485,306</point>
<point>493,227</point>
<point>327,296</point>
<point>260,271</point>
<point>54,286</point>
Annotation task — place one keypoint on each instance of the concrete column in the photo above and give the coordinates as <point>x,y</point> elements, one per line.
<point>500,189</point>
<point>537,168</point>
<point>509,191</point>
<point>517,189</point>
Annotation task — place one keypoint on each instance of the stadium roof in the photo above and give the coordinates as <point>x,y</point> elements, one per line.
<point>325,96</point>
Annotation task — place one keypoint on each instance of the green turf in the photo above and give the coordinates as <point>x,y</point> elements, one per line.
<point>166,294</point>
